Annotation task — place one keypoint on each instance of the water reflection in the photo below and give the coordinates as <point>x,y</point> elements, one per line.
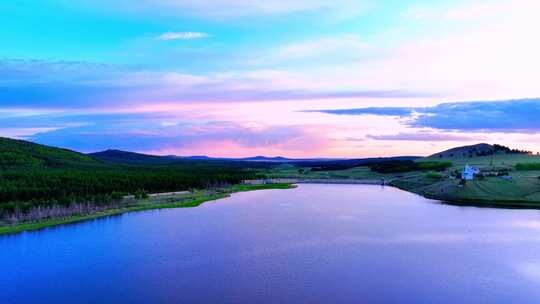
<point>313,244</point>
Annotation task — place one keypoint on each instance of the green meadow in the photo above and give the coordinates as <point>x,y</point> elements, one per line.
<point>521,188</point>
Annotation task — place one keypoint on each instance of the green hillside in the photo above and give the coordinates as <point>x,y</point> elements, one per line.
<point>438,176</point>
<point>124,157</point>
<point>18,154</point>
<point>477,150</point>
<point>33,175</point>
<point>515,192</point>
<point>516,188</point>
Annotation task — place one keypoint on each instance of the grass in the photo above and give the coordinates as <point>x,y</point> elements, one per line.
<point>435,175</point>
<point>492,191</point>
<point>244,188</point>
<point>364,173</point>
<point>523,190</point>
<point>528,166</point>
<point>361,173</point>
<point>193,200</point>
<point>497,160</point>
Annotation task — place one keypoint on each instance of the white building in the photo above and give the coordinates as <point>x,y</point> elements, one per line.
<point>469,172</point>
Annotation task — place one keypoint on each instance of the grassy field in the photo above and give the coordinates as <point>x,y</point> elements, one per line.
<point>290,171</point>
<point>491,191</point>
<point>163,202</point>
<point>522,190</point>
<point>497,160</point>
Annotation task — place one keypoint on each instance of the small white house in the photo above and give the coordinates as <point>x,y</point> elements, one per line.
<point>469,172</point>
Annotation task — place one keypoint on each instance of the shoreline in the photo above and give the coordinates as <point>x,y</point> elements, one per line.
<point>194,202</point>
<point>475,202</point>
<point>341,181</point>
<point>472,202</point>
<point>255,185</point>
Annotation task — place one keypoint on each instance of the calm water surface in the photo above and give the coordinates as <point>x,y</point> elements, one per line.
<point>313,244</point>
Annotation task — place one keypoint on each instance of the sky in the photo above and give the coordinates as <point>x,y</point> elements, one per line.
<point>295,78</point>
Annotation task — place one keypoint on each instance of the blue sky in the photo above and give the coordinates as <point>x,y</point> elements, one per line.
<point>239,78</point>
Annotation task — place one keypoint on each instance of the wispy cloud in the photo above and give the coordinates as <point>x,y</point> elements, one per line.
<point>519,116</point>
<point>182,36</point>
<point>46,84</point>
<point>425,137</point>
<point>328,49</point>
<point>470,11</point>
<point>148,135</point>
<point>379,111</point>
<point>354,139</point>
<point>507,116</point>
<point>161,132</point>
<point>226,9</point>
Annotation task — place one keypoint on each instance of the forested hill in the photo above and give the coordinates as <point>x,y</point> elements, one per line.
<point>19,154</point>
<point>482,149</point>
<point>133,158</point>
<point>123,157</point>
<point>33,175</point>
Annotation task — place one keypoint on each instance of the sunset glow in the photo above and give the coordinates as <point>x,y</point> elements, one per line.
<point>290,78</point>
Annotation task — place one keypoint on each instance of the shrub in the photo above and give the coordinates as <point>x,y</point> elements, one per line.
<point>407,166</point>
<point>141,194</point>
<point>116,195</point>
<point>434,175</point>
<point>435,166</point>
<point>527,166</point>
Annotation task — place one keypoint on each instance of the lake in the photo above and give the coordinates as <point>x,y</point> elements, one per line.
<point>313,244</point>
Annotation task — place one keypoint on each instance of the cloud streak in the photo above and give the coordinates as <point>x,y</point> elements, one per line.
<point>160,132</point>
<point>144,136</point>
<point>182,36</point>
<point>424,137</point>
<point>227,9</point>
<point>53,84</point>
<point>380,111</point>
<point>506,116</point>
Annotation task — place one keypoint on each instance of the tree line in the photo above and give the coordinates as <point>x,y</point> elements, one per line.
<point>408,166</point>
<point>31,187</point>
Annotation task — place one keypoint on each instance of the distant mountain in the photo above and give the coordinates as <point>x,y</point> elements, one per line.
<point>343,164</point>
<point>23,154</point>
<point>278,159</point>
<point>281,159</point>
<point>125,157</point>
<point>481,149</point>
<point>264,158</point>
<point>196,157</point>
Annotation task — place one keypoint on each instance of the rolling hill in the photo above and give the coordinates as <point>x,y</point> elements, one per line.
<point>481,149</point>
<point>23,154</point>
<point>37,176</point>
<point>474,150</point>
<point>124,157</point>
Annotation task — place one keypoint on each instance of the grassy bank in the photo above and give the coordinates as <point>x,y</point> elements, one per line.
<point>519,190</point>
<point>183,201</point>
